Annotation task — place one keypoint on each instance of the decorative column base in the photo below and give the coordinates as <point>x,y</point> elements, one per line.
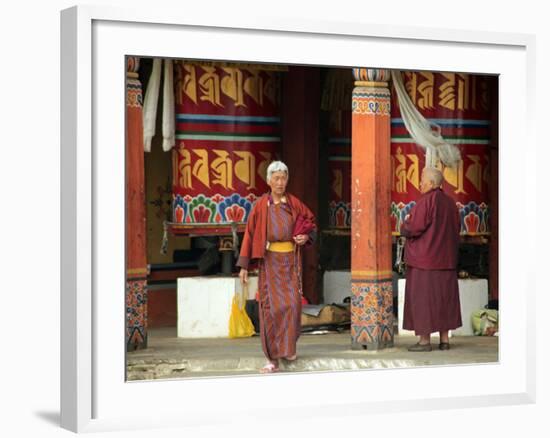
<point>136,314</point>
<point>372,318</point>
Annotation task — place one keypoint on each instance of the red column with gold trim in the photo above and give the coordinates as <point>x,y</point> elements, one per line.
<point>136,259</point>
<point>371,274</point>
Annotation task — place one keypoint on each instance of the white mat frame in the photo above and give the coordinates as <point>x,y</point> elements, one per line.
<point>93,42</point>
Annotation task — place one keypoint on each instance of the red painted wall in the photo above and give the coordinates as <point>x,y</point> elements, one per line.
<point>300,152</point>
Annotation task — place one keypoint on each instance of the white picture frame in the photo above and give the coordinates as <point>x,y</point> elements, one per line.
<point>94,40</point>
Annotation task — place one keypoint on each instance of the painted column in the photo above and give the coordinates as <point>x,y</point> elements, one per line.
<point>136,244</point>
<point>371,274</point>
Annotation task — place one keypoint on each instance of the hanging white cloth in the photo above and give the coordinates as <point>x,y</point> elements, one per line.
<point>425,133</point>
<point>168,111</point>
<point>150,106</point>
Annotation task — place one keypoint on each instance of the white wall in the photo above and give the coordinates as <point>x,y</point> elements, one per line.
<point>29,180</point>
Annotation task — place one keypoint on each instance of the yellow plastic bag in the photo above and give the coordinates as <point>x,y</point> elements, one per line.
<point>240,325</point>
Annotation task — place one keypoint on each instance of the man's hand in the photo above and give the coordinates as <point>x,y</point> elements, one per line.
<point>300,239</point>
<point>243,275</point>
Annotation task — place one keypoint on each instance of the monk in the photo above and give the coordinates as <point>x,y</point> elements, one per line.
<point>432,230</point>
<point>269,238</point>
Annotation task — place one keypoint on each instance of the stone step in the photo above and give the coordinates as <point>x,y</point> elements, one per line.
<point>165,369</point>
<point>169,357</point>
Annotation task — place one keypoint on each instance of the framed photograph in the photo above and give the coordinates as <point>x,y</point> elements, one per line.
<point>99,49</point>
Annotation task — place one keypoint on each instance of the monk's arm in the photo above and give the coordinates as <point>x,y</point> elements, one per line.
<point>418,221</point>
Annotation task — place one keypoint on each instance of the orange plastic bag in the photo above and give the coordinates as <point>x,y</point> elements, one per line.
<point>240,325</point>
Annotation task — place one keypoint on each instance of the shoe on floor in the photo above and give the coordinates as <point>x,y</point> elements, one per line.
<point>418,347</point>
<point>444,346</point>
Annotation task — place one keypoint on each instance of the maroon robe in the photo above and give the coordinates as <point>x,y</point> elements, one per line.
<point>432,230</point>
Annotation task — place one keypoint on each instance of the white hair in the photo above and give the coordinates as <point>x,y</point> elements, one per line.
<point>276,166</point>
<point>434,175</point>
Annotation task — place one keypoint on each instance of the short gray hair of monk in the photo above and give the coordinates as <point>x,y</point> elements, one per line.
<point>434,175</point>
<point>276,166</point>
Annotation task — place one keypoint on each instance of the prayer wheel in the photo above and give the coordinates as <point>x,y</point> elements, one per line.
<point>227,133</point>
<point>460,105</point>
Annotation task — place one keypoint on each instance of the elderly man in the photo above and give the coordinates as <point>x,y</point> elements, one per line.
<point>431,293</point>
<point>270,237</point>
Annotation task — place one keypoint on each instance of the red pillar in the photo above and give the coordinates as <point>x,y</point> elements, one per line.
<point>493,192</point>
<point>300,152</point>
<point>136,259</point>
<point>371,273</point>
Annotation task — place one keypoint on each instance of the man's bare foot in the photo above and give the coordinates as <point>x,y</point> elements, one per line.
<point>270,367</point>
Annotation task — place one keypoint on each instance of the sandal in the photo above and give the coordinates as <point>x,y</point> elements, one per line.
<point>291,358</point>
<point>269,368</point>
<point>418,347</point>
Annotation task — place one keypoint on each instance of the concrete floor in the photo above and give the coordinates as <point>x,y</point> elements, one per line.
<point>169,357</point>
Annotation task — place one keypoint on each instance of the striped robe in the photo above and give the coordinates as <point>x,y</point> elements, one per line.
<point>280,300</point>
